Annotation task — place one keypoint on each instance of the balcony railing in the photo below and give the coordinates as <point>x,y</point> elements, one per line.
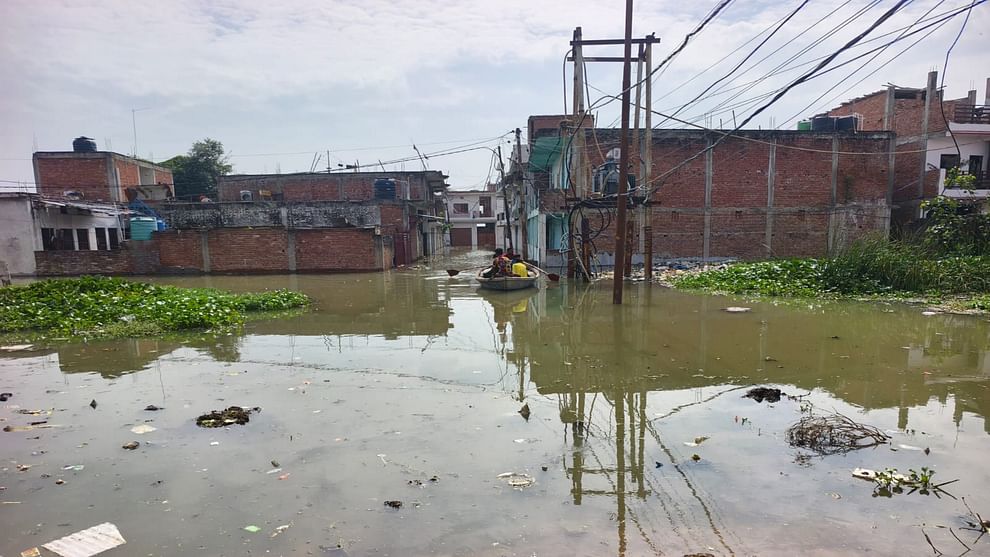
<point>971,114</point>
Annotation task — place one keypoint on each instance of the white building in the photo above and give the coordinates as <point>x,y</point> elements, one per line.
<point>471,218</point>
<point>970,126</point>
<point>32,223</point>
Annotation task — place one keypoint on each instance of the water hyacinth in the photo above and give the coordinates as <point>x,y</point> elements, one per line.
<point>118,307</point>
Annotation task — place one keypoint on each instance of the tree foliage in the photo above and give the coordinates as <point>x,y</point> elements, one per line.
<point>196,172</point>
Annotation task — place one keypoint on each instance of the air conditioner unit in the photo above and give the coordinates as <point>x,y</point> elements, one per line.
<point>246,195</point>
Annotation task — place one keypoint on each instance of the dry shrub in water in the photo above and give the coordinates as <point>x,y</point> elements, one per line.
<point>833,434</point>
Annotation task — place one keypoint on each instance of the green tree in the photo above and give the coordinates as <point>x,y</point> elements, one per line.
<point>196,172</point>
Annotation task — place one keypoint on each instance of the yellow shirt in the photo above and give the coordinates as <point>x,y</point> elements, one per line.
<point>519,269</point>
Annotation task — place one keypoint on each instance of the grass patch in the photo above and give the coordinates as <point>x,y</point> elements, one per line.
<point>112,307</point>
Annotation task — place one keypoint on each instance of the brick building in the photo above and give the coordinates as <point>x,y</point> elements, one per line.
<point>757,194</point>
<point>411,203</point>
<point>933,134</point>
<point>100,176</point>
<point>283,224</point>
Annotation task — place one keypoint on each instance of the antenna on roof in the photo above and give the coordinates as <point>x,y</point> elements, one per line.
<point>421,157</point>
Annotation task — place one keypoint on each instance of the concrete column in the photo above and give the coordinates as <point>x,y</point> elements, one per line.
<point>971,97</point>
<point>930,97</point>
<point>986,99</point>
<point>834,194</point>
<point>204,240</point>
<point>888,110</point>
<point>706,250</point>
<point>474,236</point>
<point>771,179</point>
<point>290,249</point>
<point>92,239</point>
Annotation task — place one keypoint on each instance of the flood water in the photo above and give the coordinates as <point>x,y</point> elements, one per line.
<point>406,386</point>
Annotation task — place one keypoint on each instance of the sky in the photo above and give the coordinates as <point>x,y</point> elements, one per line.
<point>282,83</point>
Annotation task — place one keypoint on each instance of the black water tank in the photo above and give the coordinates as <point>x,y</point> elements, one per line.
<point>846,124</point>
<point>384,188</point>
<point>84,144</point>
<point>823,124</point>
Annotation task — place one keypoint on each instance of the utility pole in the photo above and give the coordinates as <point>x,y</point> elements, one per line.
<point>621,200</point>
<point>505,198</point>
<point>576,170</point>
<point>520,175</point>
<point>647,169</point>
<point>627,262</point>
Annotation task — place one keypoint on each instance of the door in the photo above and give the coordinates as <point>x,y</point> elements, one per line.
<point>486,236</point>
<point>460,237</point>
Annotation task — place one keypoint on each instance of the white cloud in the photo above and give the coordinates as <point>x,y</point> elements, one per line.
<point>270,77</point>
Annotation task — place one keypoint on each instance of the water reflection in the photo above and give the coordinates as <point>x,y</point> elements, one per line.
<point>617,392</point>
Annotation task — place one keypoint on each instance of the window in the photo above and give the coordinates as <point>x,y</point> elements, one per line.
<point>114,238</point>
<point>486,206</point>
<point>82,238</point>
<point>948,161</point>
<point>460,208</point>
<point>556,232</point>
<point>101,239</point>
<point>48,239</point>
<point>64,239</point>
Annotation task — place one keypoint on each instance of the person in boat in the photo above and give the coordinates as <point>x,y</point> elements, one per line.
<point>519,268</point>
<point>501,266</point>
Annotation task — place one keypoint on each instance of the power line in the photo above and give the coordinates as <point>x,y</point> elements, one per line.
<point>934,21</point>
<point>795,56</point>
<point>864,64</point>
<point>887,15</point>
<point>746,58</point>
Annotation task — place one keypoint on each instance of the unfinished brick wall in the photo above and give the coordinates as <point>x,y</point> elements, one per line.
<point>181,251</point>
<point>127,172</point>
<point>248,250</point>
<point>752,212</point>
<point>350,186</point>
<point>88,176</point>
<point>135,258</point>
<point>336,249</point>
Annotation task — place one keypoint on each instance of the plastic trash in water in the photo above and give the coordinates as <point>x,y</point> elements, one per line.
<point>252,528</point>
<point>142,429</point>
<point>517,479</point>
<point>88,542</point>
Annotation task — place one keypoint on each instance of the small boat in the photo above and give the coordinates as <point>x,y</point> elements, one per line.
<point>508,283</point>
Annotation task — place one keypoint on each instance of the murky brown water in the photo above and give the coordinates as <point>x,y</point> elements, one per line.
<point>412,375</point>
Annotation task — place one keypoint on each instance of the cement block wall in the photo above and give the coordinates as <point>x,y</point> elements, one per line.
<point>317,214</point>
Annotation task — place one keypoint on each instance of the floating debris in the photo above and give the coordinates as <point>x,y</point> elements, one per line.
<point>92,404</point>
<point>4,397</point>
<point>142,429</point>
<point>152,408</point>
<point>759,394</point>
<point>88,542</point>
<point>252,528</point>
<point>737,309</point>
<point>16,347</point>
<point>394,504</point>
<point>221,418</point>
<point>524,411</point>
<point>517,479</point>
<point>131,445</point>
<point>834,434</point>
